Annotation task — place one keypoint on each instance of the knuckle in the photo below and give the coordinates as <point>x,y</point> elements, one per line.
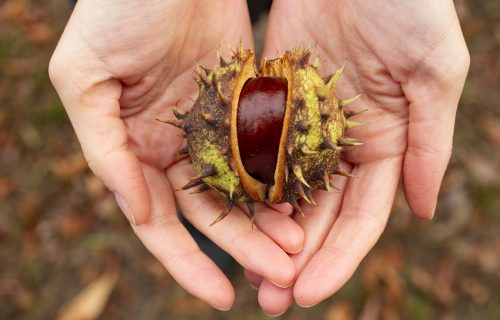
<point>55,69</point>
<point>362,216</point>
<point>466,59</point>
<point>98,162</point>
<point>460,66</point>
<point>431,150</point>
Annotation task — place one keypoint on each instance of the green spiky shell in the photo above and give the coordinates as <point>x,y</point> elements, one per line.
<point>207,129</point>
<point>315,126</point>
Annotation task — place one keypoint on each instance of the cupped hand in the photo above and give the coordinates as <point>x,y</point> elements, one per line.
<point>118,66</point>
<point>408,60</point>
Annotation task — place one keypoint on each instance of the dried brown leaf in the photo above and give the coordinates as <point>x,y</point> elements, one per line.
<point>340,310</point>
<point>493,124</point>
<point>189,305</point>
<point>40,33</point>
<point>29,211</point>
<point>74,225</point>
<point>90,303</point>
<point>487,257</point>
<point>7,185</point>
<point>95,187</point>
<point>421,279</point>
<point>482,168</point>
<point>14,11</point>
<point>66,168</point>
<point>443,281</point>
<point>3,113</point>
<point>372,309</point>
<point>382,274</point>
<point>476,290</point>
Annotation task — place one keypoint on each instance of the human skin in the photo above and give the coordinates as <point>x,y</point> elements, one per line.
<point>409,61</point>
<point>118,66</point>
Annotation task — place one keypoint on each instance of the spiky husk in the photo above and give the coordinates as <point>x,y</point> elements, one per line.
<point>312,139</point>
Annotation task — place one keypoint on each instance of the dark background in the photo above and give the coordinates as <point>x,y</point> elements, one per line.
<point>61,232</point>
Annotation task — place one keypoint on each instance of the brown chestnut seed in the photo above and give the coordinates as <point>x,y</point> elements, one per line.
<point>261,109</point>
<point>273,134</point>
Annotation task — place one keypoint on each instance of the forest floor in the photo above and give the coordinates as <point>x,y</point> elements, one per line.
<point>60,231</point>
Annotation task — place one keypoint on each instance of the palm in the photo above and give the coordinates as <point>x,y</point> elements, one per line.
<point>158,74</point>
<point>121,64</point>
<point>129,64</point>
<point>351,34</point>
<point>387,55</point>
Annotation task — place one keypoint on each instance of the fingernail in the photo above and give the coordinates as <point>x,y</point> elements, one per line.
<point>254,287</point>
<point>125,208</point>
<point>297,251</point>
<point>306,306</point>
<point>274,315</point>
<point>221,309</point>
<point>281,286</point>
<point>433,211</point>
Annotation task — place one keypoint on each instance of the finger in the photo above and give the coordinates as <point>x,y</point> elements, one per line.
<point>234,234</point>
<point>284,208</point>
<point>280,228</point>
<point>365,210</point>
<point>91,101</point>
<point>274,300</point>
<point>433,93</point>
<point>253,278</point>
<point>167,239</point>
<point>316,224</point>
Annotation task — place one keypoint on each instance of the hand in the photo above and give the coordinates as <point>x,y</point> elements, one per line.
<point>409,62</point>
<point>118,66</point>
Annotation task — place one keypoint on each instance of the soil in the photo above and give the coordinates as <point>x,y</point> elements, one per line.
<point>60,229</point>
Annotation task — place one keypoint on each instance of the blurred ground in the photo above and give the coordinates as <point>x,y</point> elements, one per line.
<point>60,230</point>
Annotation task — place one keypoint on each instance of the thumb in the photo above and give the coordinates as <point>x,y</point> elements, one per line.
<point>91,101</point>
<point>433,93</point>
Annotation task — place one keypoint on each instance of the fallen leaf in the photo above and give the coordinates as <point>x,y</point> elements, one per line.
<point>73,225</point>
<point>29,208</point>
<point>90,303</point>
<point>14,11</point>
<point>454,209</point>
<point>3,113</point>
<point>487,256</point>
<point>95,187</point>
<point>382,274</point>
<point>478,292</point>
<point>340,310</point>
<point>19,67</point>
<point>483,169</point>
<point>443,281</point>
<point>462,9</point>
<point>4,234</point>
<point>189,305</point>
<point>401,218</point>
<point>40,33</point>
<point>492,125</point>
<point>23,297</point>
<point>157,271</point>
<point>421,279</point>
<point>7,185</point>
<point>497,33</point>
<point>372,309</point>
<point>66,168</point>
<point>30,136</point>
<point>106,208</point>
<point>29,211</point>
<point>14,291</point>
